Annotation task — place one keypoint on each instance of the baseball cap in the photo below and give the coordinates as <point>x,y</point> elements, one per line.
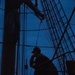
<point>36,49</point>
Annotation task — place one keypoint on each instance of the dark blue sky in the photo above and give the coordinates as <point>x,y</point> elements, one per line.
<point>33,24</point>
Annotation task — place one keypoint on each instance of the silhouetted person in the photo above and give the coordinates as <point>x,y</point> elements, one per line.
<point>41,63</point>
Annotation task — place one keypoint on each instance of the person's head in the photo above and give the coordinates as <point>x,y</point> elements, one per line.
<point>36,51</point>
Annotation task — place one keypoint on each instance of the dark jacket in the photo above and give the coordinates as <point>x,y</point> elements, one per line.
<point>43,66</point>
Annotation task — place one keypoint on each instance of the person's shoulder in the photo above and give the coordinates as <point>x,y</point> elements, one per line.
<point>44,56</point>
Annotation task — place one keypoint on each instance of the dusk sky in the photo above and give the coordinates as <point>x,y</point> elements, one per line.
<point>32,35</point>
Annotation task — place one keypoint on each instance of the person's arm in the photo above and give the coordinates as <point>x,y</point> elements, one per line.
<point>32,62</point>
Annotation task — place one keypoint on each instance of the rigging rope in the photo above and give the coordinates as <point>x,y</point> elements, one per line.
<point>38,33</point>
<point>45,32</point>
<point>25,55</point>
